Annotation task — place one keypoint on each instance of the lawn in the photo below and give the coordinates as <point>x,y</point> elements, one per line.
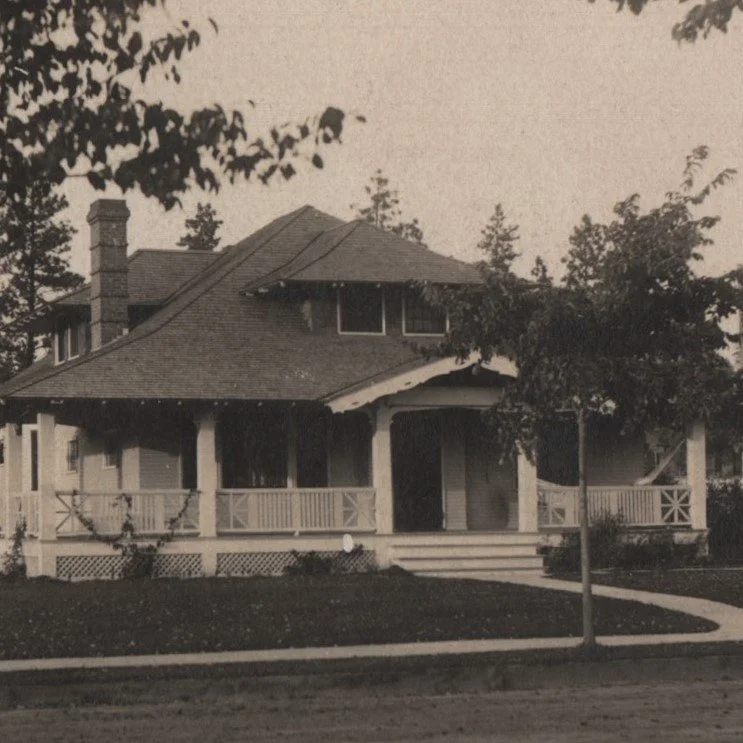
<point>714,584</point>
<point>43,618</point>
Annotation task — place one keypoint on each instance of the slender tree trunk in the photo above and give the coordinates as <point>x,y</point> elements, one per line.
<point>589,636</point>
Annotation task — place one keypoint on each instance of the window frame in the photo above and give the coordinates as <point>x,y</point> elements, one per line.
<point>361,332</point>
<point>70,459</point>
<point>406,332</point>
<point>64,327</point>
<point>115,451</point>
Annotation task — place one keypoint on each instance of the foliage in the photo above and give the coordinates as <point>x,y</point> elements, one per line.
<point>34,260</point>
<point>700,20</point>
<point>314,563</point>
<point>202,229</point>
<point>72,75</point>
<point>630,330</point>
<point>725,520</point>
<point>139,558</point>
<point>106,618</point>
<point>612,548</point>
<point>13,566</point>
<point>384,210</point>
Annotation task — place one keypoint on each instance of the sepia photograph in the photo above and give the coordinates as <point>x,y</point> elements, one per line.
<point>371,370</point>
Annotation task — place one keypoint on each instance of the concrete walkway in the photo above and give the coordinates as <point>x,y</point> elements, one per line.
<point>728,618</point>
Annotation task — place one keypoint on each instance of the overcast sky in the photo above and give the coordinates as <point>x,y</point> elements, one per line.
<point>555,108</point>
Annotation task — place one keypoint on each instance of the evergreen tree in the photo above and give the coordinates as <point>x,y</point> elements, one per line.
<point>34,262</point>
<point>202,229</point>
<point>383,210</point>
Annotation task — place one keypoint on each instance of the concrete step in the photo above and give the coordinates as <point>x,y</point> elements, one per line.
<point>493,575</point>
<point>424,565</point>
<point>464,539</point>
<point>441,551</point>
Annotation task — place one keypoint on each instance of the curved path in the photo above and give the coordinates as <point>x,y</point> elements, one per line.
<point>728,618</point>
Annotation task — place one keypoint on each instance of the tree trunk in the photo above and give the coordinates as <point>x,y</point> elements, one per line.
<point>589,636</point>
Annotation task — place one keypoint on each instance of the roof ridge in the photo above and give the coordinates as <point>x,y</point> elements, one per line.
<point>333,247</point>
<point>278,272</point>
<point>134,336</point>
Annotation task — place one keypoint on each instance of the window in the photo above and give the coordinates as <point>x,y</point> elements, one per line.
<point>73,455</point>
<point>68,339</point>
<point>110,452</point>
<point>420,318</point>
<point>361,309</point>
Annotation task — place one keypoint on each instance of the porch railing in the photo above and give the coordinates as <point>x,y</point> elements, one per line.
<point>20,506</point>
<point>152,512</point>
<point>296,510</point>
<point>647,505</point>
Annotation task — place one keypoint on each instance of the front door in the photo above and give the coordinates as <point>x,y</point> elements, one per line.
<point>416,471</point>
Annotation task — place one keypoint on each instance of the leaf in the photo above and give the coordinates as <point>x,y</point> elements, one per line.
<point>96,181</point>
<point>317,161</point>
<point>135,44</point>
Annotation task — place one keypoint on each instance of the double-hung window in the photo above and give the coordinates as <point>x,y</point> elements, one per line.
<point>361,309</point>
<point>421,318</point>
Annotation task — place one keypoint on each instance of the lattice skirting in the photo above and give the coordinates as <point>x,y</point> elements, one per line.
<point>273,563</point>
<point>76,567</point>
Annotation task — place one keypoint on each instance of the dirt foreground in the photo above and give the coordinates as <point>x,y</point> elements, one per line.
<point>678,712</point>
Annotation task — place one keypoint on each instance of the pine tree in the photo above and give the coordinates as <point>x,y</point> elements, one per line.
<point>34,262</point>
<point>202,229</point>
<point>384,210</point>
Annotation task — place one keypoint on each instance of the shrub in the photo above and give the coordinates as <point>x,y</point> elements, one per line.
<point>314,563</point>
<point>13,566</point>
<point>613,548</point>
<point>725,520</point>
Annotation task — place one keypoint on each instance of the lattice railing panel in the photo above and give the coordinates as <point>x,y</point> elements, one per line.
<point>273,563</point>
<point>78,567</point>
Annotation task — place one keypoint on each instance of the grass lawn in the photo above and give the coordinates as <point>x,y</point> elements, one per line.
<point>43,618</point>
<point>721,585</point>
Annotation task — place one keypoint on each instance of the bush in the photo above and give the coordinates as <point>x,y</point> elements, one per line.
<point>613,548</point>
<point>314,563</point>
<point>725,520</point>
<point>13,566</point>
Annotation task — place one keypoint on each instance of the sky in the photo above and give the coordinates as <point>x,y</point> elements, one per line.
<point>554,109</point>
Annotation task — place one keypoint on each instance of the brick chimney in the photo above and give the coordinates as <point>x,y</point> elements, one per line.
<point>109,286</point>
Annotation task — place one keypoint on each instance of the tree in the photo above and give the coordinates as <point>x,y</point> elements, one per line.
<point>69,107</point>
<point>202,229</point>
<point>384,210</point>
<point>629,331</point>
<point>34,260</point>
<point>700,20</point>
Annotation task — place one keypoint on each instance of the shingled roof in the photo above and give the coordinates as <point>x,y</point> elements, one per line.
<point>153,276</point>
<point>210,341</point>
<point>359,252</point>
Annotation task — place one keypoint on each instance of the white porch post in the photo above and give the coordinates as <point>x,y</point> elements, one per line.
<point>696,474</point>
<point>382,469</point>
<point>291,449</point>
<point>47,492</point>
<point>12,476</point>
<point>207,476</point>
<point>528,495</point>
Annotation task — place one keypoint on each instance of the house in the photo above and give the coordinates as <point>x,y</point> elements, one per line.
<point>267,397</point>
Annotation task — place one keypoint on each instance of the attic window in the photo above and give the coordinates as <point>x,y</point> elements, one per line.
<point>420,318</point>
<point>361,309</point>
<point>69,339</point>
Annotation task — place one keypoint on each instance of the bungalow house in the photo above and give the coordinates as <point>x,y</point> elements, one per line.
<point>266,395</point>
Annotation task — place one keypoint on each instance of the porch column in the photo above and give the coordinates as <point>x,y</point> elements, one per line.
<point>12,481</point>
<point>696,474</point>
<point>207,472</point>
<point>382,469</point>
<point>291,449</point>
<point>47,503</point>
<point>528,495</point>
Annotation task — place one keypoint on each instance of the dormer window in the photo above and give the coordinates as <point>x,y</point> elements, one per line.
<point>70,338</point>
<point>421,318</point>
<point>361,309</point>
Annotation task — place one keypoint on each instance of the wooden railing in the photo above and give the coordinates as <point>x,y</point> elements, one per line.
<point>647,505</point>
<point>152,512</point>
<point>296,510</point>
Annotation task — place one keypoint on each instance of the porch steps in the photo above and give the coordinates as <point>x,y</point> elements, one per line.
<point>467,555</point>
